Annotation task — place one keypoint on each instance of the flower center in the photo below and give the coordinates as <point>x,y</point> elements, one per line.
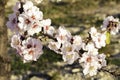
<point>29,46</point>
<point>27,21</point>
<point>33,17</point>
<point>31,52</point>
<point>89,59</point>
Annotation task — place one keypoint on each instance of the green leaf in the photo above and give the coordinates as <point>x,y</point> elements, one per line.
<point>107,37</point>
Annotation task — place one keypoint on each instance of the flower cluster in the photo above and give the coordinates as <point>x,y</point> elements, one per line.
<point>66,45</point>
<point>91,60</point>
<point>26,21</point>
<point>28,25</point>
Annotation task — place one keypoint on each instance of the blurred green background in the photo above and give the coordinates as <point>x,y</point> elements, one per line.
<point>77,16</point>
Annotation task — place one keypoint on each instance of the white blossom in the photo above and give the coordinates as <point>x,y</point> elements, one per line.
<point>111,24</point>
<point>25,22</point>
<point>98,38</point>
<point>31,50</point>
<point>27,6</point>
<point>15,41</point>
<point>34,28</point>
<point>93,33</point>
<point>47,28</point>
<point>63,35</point>
<point>77,42</point>
<point>90,69</point>
<point>68,53</point>
<point>34,13</point>
<point>88,57</point>
<point>89,47</point>
<point>91,62</point>
<point>101,59</point>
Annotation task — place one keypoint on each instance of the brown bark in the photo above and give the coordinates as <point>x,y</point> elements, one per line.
<point>4,60</point>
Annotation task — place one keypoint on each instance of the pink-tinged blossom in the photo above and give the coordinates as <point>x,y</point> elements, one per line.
<point>31,49</point>
<point>12,23</point>
<point>34,28</point>
<point>34,13</point>
<point>63,35</point>
<point>111,24</point>
<point>98,38</point>
<point>92,61</point>
<point>25,22</point>
<point>17,7</point>
<point>47,29</point>
<point>88,57</point>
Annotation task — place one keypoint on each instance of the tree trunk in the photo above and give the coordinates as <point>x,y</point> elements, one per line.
<point>4,59</point>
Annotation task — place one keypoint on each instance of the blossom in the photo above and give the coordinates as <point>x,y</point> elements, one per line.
<point>34,28</point>
<point>67,47</point>
<point>27,6</point>
<point>47,29</point>
<point>15,41</point>
<point>101,59</point>
<point>88,57</point>
<point>89,47</point>
<point>98,38</point>
<point>77,42</point>
<point>111,24</point>
<point>70,57</point>
<point>34,13</point>
<point>91,62</point>
<point>12,23</point>
<point>25,22</point>
<point>31,49</point>
<point>63,35</point>
<point>68,53</point>
<point>90,69</point>
<point>93,33</point>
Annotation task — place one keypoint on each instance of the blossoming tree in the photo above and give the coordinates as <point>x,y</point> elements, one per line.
<point>28,26</point>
